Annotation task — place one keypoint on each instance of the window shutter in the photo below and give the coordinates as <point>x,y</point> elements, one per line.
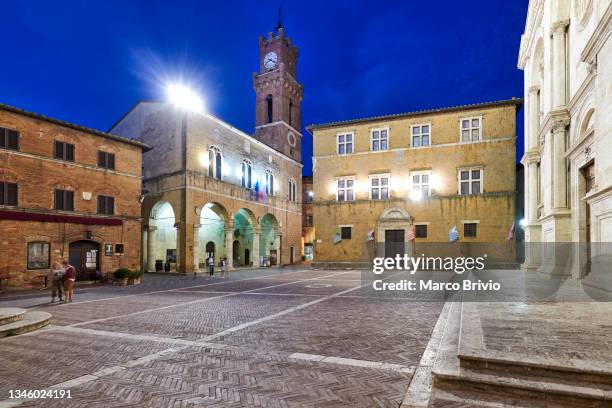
<point>100,204</point>
<point>101,159</point>
<point>13,139</point>
<point>59,200</point>
<point>11,194</point>
<point>2,194</point>
<point>70,200</point>
<point>69,152</point>
<point>111,161</point>
<point>110,206</point>
<point>59,150</point>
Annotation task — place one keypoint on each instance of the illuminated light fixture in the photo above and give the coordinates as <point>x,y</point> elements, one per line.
<point>184,98</point>
<point>523,222</point>
<point>310,194</point>
<point>416,195</point>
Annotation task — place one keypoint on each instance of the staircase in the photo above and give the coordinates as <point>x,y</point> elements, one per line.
<point>14,321</point>
<point>465,374</point>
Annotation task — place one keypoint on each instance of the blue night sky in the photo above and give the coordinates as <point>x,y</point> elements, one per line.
<point>88,62</point>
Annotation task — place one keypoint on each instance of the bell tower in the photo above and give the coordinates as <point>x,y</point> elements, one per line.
<point>278,95</point>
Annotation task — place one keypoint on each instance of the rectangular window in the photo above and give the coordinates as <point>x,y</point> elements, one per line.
<point>64,151</point>
<point>420,231</point>
<point>379,187</point>
<point>470,230</point>
<point>420,135</point>
<point>471,129</point>
<point>420,183</point>
<point>380,139</point>
<point>119,248</point>
<point>345,232</point>
<point>470,181</point>
<point>9,194</point>
<point>345,143</point>
<point>106,160</point>
<point>345,189</point>
<point>9,139</point>
<point>269,183</point>
<point>308,221</point>
<point>64,200</point>
<point>38,255</point>
<point>106,205</point>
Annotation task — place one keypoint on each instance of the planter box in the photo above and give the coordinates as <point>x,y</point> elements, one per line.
<point>122,282</point>
<point>134,281</point>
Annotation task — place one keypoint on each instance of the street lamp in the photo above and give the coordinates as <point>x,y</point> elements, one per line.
<point>184,98</point>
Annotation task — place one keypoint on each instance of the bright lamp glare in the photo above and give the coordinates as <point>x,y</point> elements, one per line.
<point>310,194</point>
<point>185,98</point>
<point>416,195</point>
<point>523,222</point>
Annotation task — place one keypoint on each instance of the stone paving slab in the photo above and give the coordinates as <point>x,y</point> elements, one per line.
<point>384,331</point>
<point>313,287</point>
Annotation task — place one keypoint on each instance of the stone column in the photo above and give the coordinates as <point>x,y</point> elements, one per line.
<point>255,255</point>
<point>558,34</point>
<point>151,241</point>
<point>533,118</point>
<point>229,247</point>
<point>559,165</point>
<point>279,250</point>
<point>196,247</point>
<point>178,247</point>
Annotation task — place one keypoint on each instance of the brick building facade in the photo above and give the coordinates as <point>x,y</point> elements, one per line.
<point>66,192</point>
<point>212,190</point>
<point>376,180</point>
<point>308,231</point>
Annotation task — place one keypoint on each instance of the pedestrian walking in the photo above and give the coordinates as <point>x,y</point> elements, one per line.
<point>69,278</point>
<point>57,284</point>
<point>211,266</point>
<point>223,265</point>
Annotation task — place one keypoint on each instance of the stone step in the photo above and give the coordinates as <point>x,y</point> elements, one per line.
<point>29,322</point>
<point>460,382</point>
<point>10,314</point>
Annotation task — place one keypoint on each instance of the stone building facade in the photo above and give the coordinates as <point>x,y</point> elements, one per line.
<point>66,192</point>
<point>566,54</point>
<point>212,190</point>
<point>378,179</point>
<point>308,231</point>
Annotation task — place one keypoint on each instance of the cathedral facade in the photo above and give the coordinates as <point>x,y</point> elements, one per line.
<point>211,190</point>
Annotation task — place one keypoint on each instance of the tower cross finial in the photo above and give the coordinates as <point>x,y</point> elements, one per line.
<point>279,25</point>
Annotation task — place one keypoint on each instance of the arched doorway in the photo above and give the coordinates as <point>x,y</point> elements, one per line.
<point>393,225</point>
<point>210,250</point>
<point>213,218</point>
<point>161,237</point>
<point>236,252</point>
<point>85,257</point>
<point>270,239</point>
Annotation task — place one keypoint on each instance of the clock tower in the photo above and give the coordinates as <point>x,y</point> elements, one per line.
<point>278,112</point>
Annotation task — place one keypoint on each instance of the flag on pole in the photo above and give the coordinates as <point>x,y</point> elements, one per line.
<point>411,232</point>
<point>511,232</point>
<point>371,235</point>
<point>453,234</point>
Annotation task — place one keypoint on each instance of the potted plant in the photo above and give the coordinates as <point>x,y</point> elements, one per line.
<point>121,276</point>
<point>134,277</point>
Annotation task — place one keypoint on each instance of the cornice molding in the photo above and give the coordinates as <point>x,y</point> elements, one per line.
<point>534,19</point>
<point>600,35</point>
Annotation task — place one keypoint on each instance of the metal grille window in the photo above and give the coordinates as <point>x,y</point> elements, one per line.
<point>380,140</point>
<point>247,172</point>
<point>379,188</point>
<point>106,205</point>
<point>269,183</point>
<point>470,229</point>
<point>8,194</point>
<point>420,183</point>
<point>214,162</point>
<point>64,151</point>
<point>420,135</point>
<point>345,232</point>
<point>420,231</point>
<point>345,189</point>
<point>9,139</point>
<point>64,200</point>
<point>106,160</point>
<point>292,190</point>
<point>470,181</point>
<point>345,143</point>
<point>471,129</point>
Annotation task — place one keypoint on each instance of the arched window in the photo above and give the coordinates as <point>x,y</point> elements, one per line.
<point>269,183</point>
<point>292,191</point>
<point>269,105</point>
<point>214,162</point>
<point>247,172</point>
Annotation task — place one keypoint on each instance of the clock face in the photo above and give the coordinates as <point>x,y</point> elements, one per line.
<point>270,60</point>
